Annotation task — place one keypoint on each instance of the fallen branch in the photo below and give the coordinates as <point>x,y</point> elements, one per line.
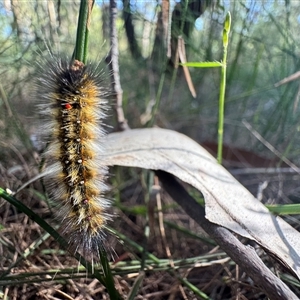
<point>244,256</point>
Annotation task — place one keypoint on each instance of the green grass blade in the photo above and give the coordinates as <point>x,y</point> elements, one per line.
<point>136,286</point>
<point>284,209</point>
<point>108,277</point>
<point>204,64</point>
<point>193,288</point>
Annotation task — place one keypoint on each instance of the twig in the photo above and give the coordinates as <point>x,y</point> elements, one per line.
<point>113,62</point>
<point>288,79</point>
<point>244,256</point>
<point>182,57</point>
<point>272,171</point>
<point>270,147</point>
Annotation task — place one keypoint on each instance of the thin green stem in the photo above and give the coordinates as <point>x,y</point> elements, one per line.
<point>226,32</point>
<point>108,277</point>
<point>158,98</point>
<point>193,288</point>
<point>80,52</point>
<point>284,209</point>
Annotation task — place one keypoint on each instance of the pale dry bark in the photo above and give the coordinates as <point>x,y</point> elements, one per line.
<point>113,62</point>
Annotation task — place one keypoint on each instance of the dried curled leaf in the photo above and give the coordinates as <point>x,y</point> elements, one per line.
<point>227,202</point>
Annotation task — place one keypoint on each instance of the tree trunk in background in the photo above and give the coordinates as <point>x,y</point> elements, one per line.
<point>183,22</point>
<point>130,33</point>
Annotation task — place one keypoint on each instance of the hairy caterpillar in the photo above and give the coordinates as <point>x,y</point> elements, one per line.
<point>73,107</point>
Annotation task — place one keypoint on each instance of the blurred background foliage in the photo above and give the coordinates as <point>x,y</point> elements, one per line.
<point>263,50</point>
